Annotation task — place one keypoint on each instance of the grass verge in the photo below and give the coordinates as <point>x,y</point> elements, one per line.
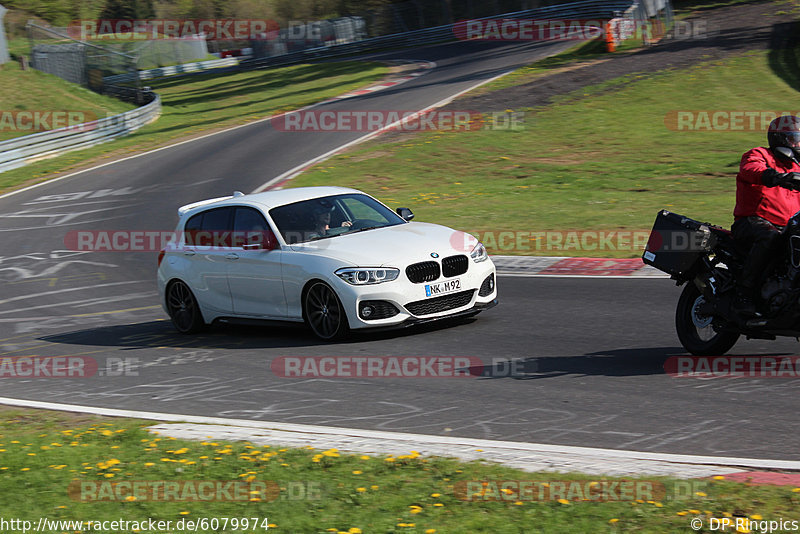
<point>607,157</point>
<point>198,104</point>
<point>59,465</point>
<point>32,90</point>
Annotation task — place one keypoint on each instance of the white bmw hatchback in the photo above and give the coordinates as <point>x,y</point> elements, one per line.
<point>334,258</point>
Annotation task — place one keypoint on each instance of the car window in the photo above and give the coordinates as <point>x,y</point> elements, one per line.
<point>209,228</point>
<point>331,216</point>
<point>360,210</point>
<point>193,225</point>
<point>250,227</point>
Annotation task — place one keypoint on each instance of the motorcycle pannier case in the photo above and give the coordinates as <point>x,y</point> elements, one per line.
<point>677,243</point>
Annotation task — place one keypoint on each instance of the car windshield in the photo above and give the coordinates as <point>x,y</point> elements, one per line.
<point>332,216</point>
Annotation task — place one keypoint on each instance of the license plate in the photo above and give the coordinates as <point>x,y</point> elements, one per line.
<point>442,288</point>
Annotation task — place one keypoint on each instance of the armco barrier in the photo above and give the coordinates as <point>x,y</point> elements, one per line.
<point>23,150</point>
<point>194,66</point>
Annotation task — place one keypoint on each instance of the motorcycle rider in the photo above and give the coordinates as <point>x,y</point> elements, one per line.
<point>767,195</point>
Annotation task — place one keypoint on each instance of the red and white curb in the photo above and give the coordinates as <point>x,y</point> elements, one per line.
<point>575,267</point>
<point>422,67</point>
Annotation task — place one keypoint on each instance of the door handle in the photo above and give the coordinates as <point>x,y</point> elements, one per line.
<point>231,256</point>
<point>188,252</point>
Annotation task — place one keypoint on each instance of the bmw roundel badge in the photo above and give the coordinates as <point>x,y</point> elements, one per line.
<point>434,255</point>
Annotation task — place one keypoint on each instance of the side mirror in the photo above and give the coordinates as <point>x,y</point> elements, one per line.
<point>405,213</point>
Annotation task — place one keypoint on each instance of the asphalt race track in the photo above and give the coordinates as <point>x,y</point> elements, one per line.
<point>592,351</point>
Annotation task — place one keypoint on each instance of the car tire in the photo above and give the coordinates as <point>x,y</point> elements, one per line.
<point>323,312</point>
<point>183,309</point>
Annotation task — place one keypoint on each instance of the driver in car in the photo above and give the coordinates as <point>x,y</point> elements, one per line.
<point>322,220</point>
<point>767,195</point>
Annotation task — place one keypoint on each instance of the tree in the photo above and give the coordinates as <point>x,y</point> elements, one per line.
<point>128,9</point>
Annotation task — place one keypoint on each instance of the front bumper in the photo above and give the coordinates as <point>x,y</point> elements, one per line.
<point>415,321</point>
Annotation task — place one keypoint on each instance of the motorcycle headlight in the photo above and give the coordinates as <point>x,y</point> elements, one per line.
<point>479,253</point>
<point>359,276</point>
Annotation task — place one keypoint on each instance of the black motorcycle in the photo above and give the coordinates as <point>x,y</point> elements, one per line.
<point>708,258</point>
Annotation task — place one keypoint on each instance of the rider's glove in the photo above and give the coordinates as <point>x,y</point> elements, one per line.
<point>772,178</point>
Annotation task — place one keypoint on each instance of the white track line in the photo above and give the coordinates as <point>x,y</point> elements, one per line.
<point>585,452</point>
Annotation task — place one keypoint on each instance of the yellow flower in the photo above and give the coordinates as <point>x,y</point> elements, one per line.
<point>695,512</point>
<point>354,530</point>
<point>130,498</point>
<point>518,503</point>
<point>682,513</point>
<point>701,494</point>
<point>184,512</point>
<point>613,520</point>
<point>430,531</point>
<point>436,495</point>
<point>438,504</point>
<point>757,517</point>
<point>25,469</point>
<point>357,472</point>
<point>361,490</point>
<point>718,477</point>
<point>563,501</point>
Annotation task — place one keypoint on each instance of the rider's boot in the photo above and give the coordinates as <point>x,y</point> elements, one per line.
<point>744,304</point>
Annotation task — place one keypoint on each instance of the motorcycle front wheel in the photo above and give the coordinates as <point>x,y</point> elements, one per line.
<point>697,332</point>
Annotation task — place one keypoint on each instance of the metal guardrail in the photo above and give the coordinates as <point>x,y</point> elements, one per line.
<point>588,9</point>
<point>194,66</point>
<point>21,151</point>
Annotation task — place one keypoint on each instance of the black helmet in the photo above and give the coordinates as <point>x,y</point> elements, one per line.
<point>785,131</point>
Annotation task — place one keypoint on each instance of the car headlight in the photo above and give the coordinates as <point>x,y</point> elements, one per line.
<point>359,276</point>
<point>479,253</point>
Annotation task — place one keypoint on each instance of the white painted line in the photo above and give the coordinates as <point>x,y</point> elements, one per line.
<point>585,452</point>
<point>51,181</point>
<point>288,175</point>
<point>45,293</point>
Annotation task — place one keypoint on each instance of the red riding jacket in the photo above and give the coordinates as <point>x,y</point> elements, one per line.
<point>775,204</point>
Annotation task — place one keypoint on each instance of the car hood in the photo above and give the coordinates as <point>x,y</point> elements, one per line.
<point>392,246</point>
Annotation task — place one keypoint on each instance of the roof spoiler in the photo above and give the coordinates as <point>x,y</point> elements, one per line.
<point>183,209</point>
